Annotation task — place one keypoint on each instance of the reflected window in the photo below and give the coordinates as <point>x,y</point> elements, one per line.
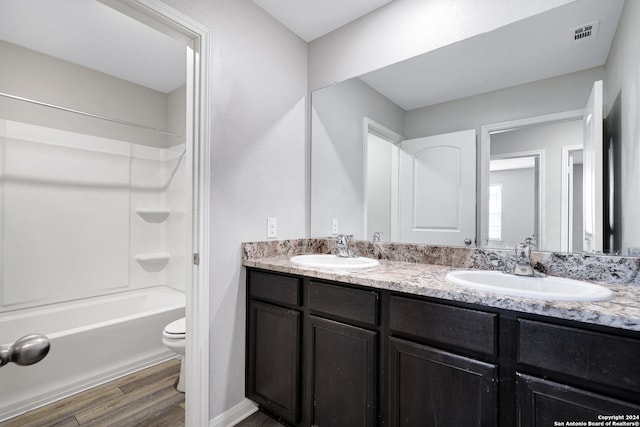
<point>495,212</point>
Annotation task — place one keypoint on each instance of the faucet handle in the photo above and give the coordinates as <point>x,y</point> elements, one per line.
<point>529,241</point>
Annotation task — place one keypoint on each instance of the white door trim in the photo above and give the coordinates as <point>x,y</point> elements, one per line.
<point>160,16</point>
<point>566,208</point>
<point>593,171</point>
<point>485,154</point>
<point>394,137</point>
<point>540,237</point>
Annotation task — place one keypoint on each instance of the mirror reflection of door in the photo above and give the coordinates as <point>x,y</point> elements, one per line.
<point>516,179</point>
<point>572,199</point>
<point>437,189</point>
<point>382,187</point>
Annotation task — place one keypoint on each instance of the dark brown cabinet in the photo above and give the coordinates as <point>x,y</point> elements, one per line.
<point>586,374</point>
<point>431,387</point>
<point>344,363</point>
<point>343,354</point>
<point>436,373</point>
<point>273,359</point>
<point>547,403</point>
<point>274,325</point>
<point>328,354</point>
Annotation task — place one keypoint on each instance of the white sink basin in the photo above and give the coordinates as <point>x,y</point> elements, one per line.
<point>333,261</point>
<point>546,288</point>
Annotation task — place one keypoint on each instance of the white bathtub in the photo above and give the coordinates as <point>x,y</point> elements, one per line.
<point>92,341</point>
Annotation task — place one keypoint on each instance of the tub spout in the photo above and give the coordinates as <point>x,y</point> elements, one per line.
<point>27,350</point>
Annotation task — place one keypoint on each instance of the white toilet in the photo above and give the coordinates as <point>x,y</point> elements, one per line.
<point>173,337</point>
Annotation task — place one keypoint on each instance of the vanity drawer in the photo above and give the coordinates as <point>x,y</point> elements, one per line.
<point>343,302</point>
<point>464,328</point>
<point>602,358</point>
<point>274,287</point>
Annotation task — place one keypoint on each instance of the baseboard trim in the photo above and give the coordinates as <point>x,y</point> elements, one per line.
<point>234,415</point>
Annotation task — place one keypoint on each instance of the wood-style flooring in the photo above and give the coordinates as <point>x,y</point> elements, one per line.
<point>259,419</point>
<point>144,398</point>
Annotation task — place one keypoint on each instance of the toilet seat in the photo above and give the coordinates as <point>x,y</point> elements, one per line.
<point>173,337</point>
<point>175,329</point>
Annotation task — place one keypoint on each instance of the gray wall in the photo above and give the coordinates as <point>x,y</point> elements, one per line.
<point>338,156</point>
<point>623,78</point>
<point>406,28</point>
<point>44,78</point>
<point>258,97</point>
<point>578,220</point>
<point>557,94</point>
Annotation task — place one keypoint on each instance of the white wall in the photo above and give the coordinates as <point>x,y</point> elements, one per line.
<point>406,28</point>
<point>557,94</point>
<point>177,178</point>
<point>63,198</point>
<point>160,179</point>
<point>258,95</point>
<point>69,225</point>
<point>71,184</point>
<point>623,77</point>
<point>338,153</point>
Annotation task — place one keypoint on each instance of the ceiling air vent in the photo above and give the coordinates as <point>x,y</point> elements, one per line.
<point>584,33</point>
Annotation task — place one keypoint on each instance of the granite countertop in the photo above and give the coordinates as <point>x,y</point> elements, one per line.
<point>623,311</point>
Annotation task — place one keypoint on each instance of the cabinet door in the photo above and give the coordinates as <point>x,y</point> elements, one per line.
<point>546,403</point>
<point>273,359</point>
<point>430,387</point>
<point>344,364</point>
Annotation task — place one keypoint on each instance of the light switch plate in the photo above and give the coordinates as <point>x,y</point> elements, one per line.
<point>335,226</point>
<point>272,228</point>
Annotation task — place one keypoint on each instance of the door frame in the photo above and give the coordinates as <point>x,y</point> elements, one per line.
<point>158,15</point>
<point>540,188</point>
<point>371,126</point>
<point>566,206</point>
<point>485,156</point>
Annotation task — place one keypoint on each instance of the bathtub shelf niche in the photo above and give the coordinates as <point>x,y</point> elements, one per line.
<point>155,215</point>
<point>153,262</point>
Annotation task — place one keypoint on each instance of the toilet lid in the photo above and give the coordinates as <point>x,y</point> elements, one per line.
<point>177,327</point>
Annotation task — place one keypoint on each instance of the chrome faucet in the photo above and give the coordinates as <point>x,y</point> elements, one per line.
<point>523,266</point>
<point>376,236</point>
<point>342,246</point>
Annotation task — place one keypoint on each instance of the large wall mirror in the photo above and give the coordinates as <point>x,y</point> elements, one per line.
<point>502,122</point>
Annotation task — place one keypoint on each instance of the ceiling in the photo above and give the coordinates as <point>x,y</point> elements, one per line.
<point>96,36</point>
<point>310,19</point>
<point>91,34</point>
<point>532,49</point>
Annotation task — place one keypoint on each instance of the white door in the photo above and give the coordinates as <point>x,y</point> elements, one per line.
<point>593,171</point>
<point>438,189</point>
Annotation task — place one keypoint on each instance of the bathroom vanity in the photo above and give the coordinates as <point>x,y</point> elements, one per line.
<point>396,345</point>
